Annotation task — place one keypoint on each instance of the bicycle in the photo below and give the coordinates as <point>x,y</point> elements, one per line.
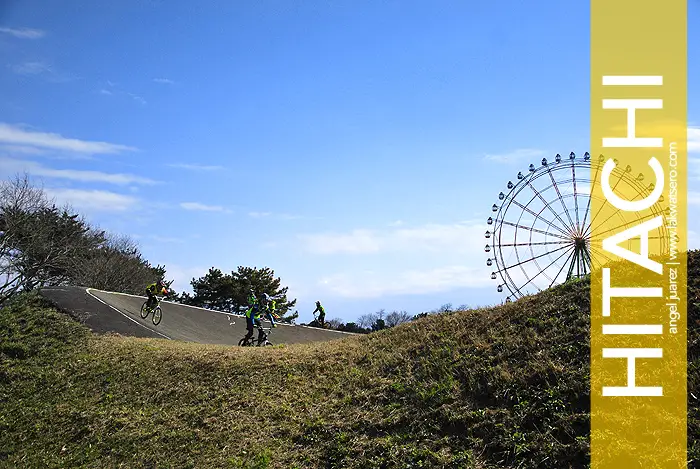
<point>251,342</point>
<point>321,325</point>
<point>157,312</point>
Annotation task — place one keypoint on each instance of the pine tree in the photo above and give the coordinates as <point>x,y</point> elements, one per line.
<point>229,292</point>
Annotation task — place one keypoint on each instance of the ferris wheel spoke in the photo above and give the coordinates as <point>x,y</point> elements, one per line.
<point>573,174</point>
<point>532,229</point>
<point>533,258</point>
<point>538,216</point>
<point>644,218</point>
<point>578,262</point>
<point>564,264</point>
<point>588,207</point>
<point>561,199</point>
<point>546,243</point>
<point>601,252</point>
<point>619,180</point>
<point>569,230</point>
<point>541,271</point>
<point>588,260</point>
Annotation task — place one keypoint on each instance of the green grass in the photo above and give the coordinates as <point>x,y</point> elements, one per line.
<point>501,387</point>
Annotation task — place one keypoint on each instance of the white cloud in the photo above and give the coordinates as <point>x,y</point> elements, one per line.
<point>16,135</point>
<point>38,68</point>
<point>24,33</point>
<point>693,198</point>
<point>369,284</point>
<point>277,216</point>
<point>116,91</point>
<point>423,259</point>
<point>31,68</point>
<point>694,147</point>
<point>36,169</point>
<point>196,206</point>
<point>516,156</point>
<point>356,242</point>
<point>182,275</point>
<point>693,139</point>
<point>454,238</point>
<point>22,149</point>
<point>137,98</point>
<point>93,200</point>
<point>694,167</point>
<point>165,81</point>
<point>693,240</point>
<point>196,167</point>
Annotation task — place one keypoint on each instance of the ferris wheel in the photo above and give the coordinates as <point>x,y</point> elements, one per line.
<point>540,233</point>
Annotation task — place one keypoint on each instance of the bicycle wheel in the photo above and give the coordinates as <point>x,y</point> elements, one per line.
<point>157,315</point>
<point>243,342</point>
<point>144,310</point>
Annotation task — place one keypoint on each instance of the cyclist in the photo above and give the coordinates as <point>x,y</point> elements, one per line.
<point>252,300</point>
<point>154,289</point>
<point>267,307</point>
<point>253,317</point>
<point>321,313</point>
<point>271,314</point>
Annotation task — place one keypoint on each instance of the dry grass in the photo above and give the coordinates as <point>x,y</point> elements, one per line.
<point>501,387</point>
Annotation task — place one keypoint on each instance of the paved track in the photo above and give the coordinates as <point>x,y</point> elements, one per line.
<point>116,312</point>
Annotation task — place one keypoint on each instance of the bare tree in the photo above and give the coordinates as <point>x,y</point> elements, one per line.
<point>366,320</point>
<point>397,317</point>
<point>43,245</point>
<point>38,241</point>
<point>335,323</point>
<point>116,265</point>
<point>446,308</point>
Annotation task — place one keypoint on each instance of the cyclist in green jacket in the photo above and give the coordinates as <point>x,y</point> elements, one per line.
<point>252,317</point>
<point>321,313</point>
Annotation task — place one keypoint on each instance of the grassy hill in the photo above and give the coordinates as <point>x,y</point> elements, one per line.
<point>500,387</point>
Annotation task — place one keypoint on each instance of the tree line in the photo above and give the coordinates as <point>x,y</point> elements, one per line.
<point>228,292</point>
<point>43,245</point>
<point>380,320</point>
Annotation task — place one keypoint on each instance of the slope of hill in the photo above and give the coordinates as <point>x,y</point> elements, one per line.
<point>500,387</point>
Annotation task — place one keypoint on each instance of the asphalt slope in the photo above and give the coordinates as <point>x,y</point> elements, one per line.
<point>96,315</point>
<point>119,313</point>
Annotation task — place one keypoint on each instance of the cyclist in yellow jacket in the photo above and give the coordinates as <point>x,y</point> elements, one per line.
<point>155,289</point>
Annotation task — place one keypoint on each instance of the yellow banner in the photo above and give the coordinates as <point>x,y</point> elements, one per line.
<point>638,232</point>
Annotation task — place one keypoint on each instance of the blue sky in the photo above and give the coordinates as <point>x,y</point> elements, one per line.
<point>353,147</point>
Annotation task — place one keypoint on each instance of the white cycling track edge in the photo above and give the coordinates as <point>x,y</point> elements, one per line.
<point>87,290</point>
<point>238,315</point>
